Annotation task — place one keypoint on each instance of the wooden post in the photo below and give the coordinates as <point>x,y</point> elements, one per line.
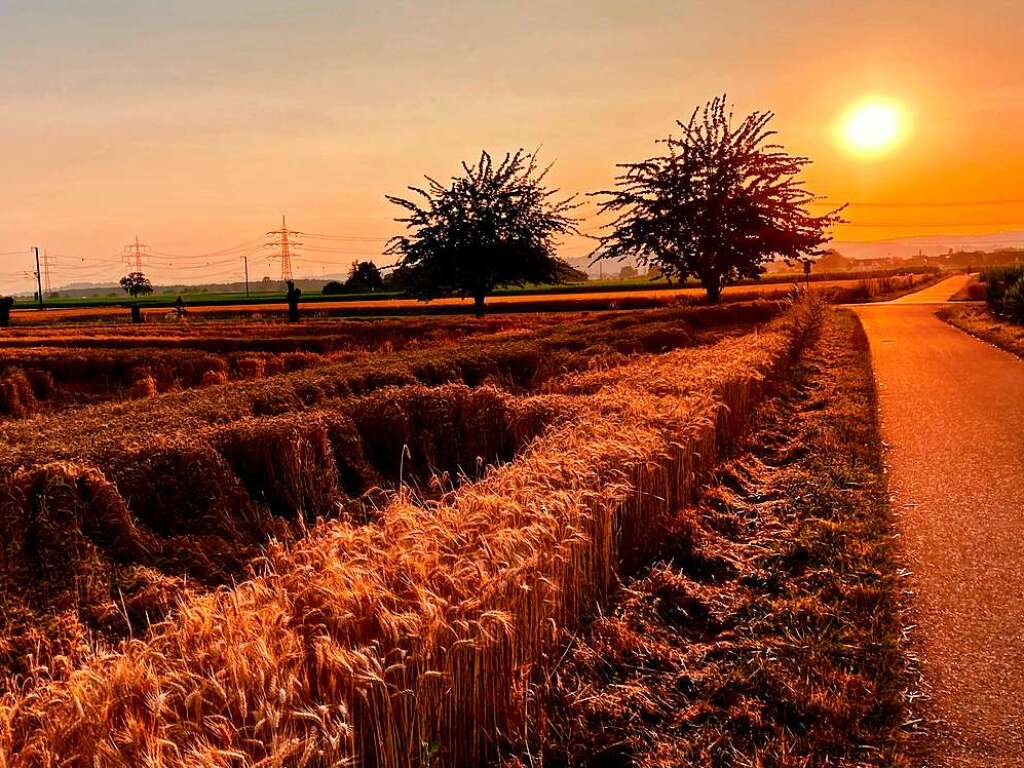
<point>293,302</point>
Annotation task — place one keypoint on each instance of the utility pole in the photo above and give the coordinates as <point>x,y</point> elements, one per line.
<point>283,241</point>
<point>246,260</point>
<point>39,277</point>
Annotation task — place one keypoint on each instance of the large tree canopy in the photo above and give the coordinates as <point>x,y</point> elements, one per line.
<point>364,276</point>
<point>497,224</point>
<point>719,203</point>
<point>135,284</point>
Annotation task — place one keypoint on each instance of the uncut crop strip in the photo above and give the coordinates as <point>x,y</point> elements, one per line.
<point>399,643</point>
<point>106,551</point>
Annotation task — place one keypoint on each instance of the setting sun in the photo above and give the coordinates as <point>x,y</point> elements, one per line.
<point>873,126</point>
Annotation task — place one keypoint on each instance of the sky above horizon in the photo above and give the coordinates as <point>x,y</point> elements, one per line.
<point>196,125</point>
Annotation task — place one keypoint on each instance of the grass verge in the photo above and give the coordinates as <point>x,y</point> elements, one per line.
<point>768,630</point>
<point>982,324</point>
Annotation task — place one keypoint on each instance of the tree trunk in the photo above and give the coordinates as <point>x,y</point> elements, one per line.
<point>713,286</point>
<point>478,303</point>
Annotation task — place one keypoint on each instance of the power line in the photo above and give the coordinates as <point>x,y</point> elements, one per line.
<point>924,204</point>
<point>248,245</point>
<point>346,238</point>
<point>930,225</point>
<point>340,252</point>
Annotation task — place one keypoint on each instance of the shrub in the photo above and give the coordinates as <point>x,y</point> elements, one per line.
<point>1005,292</point>
<point>333,287</point>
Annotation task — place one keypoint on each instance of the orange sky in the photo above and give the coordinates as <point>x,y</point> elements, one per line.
<point>196,127</point>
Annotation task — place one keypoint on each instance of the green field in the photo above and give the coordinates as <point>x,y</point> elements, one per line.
<point>200,298</point>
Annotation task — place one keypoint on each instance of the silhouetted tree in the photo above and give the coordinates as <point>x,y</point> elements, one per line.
<point>567,273</point>
<point>832,261</point>
<point>654,273</point>
<point>720,202</point>
<point>136,284</point>
<point>333,287</point>
<point>397,279</point>
<point>495,225</point>
<point>627,273</point>
<point>364,276</point>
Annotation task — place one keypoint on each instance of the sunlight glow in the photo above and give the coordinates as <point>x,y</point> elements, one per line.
<point>873,126</point>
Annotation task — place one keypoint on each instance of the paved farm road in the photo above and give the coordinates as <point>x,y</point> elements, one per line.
<point>953,417</point>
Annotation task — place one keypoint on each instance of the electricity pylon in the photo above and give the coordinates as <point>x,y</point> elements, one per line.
<point>135,252</point>
<point>47,263</point>
<point>284,242</point>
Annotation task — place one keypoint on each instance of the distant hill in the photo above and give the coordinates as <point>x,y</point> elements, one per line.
<point>88,290</point>
<point>928,245</point>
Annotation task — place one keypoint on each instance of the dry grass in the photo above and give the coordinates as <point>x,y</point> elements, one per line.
<point>881,288</point>
<point>396,643</point>
<point>767,631</point>
<point>975,290</point>
<point>981,323</point>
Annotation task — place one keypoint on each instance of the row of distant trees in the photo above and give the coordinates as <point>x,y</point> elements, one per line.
<point>363,276</point>
<point>716,204</point>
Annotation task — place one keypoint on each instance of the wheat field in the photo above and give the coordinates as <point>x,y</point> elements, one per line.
<point>366,560</point>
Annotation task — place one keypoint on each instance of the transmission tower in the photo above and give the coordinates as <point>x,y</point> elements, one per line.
<point>134,252</point>
<point>47,263</point>
<point>284,241</point>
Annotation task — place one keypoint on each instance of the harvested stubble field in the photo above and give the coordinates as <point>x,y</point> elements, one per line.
<point>370,560</point>
<point>46,369</point>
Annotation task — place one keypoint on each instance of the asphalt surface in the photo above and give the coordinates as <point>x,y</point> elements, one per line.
<point>952,411</point>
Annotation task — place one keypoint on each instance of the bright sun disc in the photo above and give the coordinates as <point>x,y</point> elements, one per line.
<point>873,126</point>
